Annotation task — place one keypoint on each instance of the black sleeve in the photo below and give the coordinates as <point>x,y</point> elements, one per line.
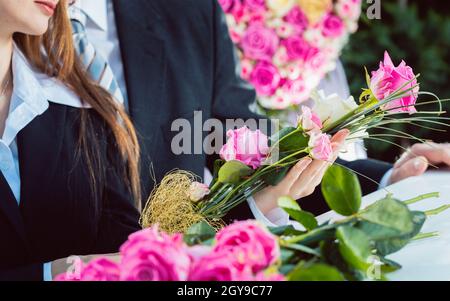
<point>34,272</point>
<point>119,216</point>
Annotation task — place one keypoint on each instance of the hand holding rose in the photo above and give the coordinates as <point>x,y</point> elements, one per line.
<point>302,180</point>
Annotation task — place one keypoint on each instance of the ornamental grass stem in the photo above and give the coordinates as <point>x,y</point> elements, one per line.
<point>422,197</point>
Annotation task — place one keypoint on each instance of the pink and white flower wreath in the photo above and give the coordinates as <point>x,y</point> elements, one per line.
<point>286,47</point>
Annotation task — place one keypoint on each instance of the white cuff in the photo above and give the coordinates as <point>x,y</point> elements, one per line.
<point>275,218</point>
<point>48,271</point>
<point>385,180</point>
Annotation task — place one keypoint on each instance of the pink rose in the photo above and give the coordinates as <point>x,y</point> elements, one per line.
<point>217,267</point>
<point>252,245</point>
<point>388,79</point>
<point>198,191</point>
<point>298,48</point>
<point>310,121</point>
<point>246,146</point>
<point>332,26</point>
<point>101,269</point>
<point>320,145</point>
<point>259,42</point>
<point>227,5</point>
<point>297,18</point>
<point>265,78</point>
<point>198,252</point>
<point>152,256</point>
<point>255,5</point>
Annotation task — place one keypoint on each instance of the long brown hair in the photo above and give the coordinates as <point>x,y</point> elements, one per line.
<point>58,59</point>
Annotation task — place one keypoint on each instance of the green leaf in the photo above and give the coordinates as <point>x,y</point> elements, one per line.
<point>341,190</point>
<point>314,237</point>
<point>290,139</point>
<point>354,247</point>
<point>199,233</point>
<point>389,246</point>
<point>368,79</point>
<point>389,266</point>
<point>315,272</point>
<point>386,219</point>
<point>307,219</point>
<point>232,172</point>
<point>287,230</point>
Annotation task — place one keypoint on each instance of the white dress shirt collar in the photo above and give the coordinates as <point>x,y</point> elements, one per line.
<point>96,11</point>
<point>31,95</point>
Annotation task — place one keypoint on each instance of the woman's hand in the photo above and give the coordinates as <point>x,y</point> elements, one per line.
<point>302,179</point>
<point>71,264</point>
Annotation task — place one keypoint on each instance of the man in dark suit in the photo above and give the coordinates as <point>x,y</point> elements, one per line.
<point>174,57</point>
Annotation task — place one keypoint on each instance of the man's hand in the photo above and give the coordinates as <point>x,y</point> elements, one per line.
<point>302,179</point>
<point>415,161</point>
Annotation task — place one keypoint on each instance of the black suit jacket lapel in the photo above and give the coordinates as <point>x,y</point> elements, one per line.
<point>142,47</point>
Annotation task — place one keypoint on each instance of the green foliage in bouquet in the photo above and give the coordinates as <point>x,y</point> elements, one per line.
<point>354,248</point>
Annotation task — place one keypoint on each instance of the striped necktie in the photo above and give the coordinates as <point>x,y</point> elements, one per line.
<point>97,66</point>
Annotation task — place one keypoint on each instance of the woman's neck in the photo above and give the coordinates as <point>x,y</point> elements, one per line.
<point>6,50</point>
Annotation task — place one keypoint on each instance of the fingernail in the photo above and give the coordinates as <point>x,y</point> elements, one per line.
<point>418,164</point>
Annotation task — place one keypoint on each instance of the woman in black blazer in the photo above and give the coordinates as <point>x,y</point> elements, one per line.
<point>68,152</point>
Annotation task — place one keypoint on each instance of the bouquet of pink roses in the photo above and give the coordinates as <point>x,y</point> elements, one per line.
<point>244,251</point>
<point>353,248</point>
<point>287,46</point>
<point>250,161</point>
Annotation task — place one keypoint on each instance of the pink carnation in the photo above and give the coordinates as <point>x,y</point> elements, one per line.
<point>320,145</point>
<point>388,79</point>
<point>246,146</point>
<point>152,256</point>
<point>259,42</point>
<point>251,244</point>
<point>265,78</point>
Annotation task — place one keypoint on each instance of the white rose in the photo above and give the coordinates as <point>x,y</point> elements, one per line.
<point>331,108</point>
<point>280,7</point>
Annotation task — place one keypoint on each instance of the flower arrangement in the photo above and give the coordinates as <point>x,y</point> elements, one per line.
<point>353,248</point>
<point>244,251</point>
<point>286,47</point>
<point>251,161</point>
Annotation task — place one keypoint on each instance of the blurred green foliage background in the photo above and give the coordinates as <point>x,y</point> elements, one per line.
<point>419,33</point>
